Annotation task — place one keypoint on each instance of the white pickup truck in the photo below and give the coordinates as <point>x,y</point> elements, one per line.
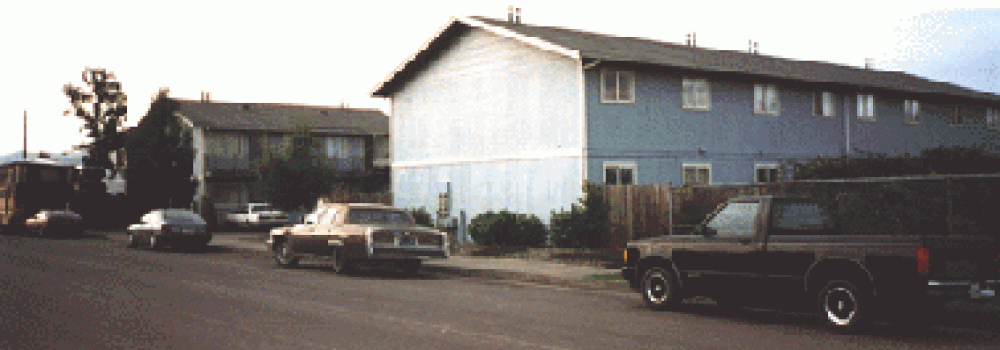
<point>256,215</point>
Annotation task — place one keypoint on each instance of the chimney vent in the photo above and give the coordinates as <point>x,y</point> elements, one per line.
<point>517,16</point>
<point>869,63</point>
<point>510,14</point>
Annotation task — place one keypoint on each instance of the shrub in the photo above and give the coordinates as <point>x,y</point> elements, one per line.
<point>505,228</point>
<point>584,225</point>
<point>421,216</point>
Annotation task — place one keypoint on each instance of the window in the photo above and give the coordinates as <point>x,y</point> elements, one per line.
<point>343,153</point>
<point>957,117</point>
<point>866,107</point>
<point>799,218</point>
<point>618,86</point>
<point>736,219</point>
<point>765,99</point>
<point>992,118</point>
<point>619,173</point>
<point>823,104</point>
<point>695,94</point>
<point>766,173</point>
<point>911,112</point>
<point>697,174</point>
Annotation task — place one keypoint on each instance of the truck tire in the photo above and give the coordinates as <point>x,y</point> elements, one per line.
<point>284,255</point>
<point>843,306</point>
<point>659,287</point>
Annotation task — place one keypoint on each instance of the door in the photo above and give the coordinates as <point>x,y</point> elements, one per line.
<point>725,258</point>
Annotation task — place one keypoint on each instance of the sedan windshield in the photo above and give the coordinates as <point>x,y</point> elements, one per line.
<point>182,217</point>
<point>377,216</point>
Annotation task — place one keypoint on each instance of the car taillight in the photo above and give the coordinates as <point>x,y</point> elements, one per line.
<point>923,261</point>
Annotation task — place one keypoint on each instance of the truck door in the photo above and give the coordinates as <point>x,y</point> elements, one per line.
<point>725,257</point>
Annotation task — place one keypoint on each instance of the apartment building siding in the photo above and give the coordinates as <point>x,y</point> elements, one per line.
<point>496,120</point>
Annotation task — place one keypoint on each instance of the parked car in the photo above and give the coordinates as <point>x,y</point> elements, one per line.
<point>169,227</point>
<point>256,215</point>
<point>49,222</point>
<point>358,235</point>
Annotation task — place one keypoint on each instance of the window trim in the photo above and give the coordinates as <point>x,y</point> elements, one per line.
<point>685,166</point>
<point>911,112</point>
<point>693,106</point>
<point>869,101</point>
<point>620,165</point>
<point>992,118</point>
<point>769,166</point>
<point>618,73</point>
<point>760,94</point>
<point>824,98</point>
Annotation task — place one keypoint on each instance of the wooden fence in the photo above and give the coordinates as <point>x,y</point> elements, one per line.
<point>636,211</point>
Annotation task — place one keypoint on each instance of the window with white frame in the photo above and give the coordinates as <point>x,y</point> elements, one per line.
<point>697,174</point>
<point>766,100</point>
<point>866,107</point>
<point>619,173</point>
<point>764,173</point>
<point>823,104</point>
<point>992,118</point>
<point>911,112</point>
<point>695,94</point>
<point>617,86</point>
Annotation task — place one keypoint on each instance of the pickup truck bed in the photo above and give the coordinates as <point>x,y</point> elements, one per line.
<point>768,251</point>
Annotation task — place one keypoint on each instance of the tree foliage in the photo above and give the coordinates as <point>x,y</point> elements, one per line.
<point>161,158</point>
<point>101,104</point>
<point>584,225</point>
<point>939,160</point>
<point>292,181</point>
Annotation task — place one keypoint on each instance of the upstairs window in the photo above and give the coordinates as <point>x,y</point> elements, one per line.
<point>911,112</point>
<point>957,117</point>
<point>866,107</point>
<point>697,174</point>
<point>823,104</point>
<point>695,94</point>
<point>619,173</point>
<point>765,99</point>
<point>618,86</point>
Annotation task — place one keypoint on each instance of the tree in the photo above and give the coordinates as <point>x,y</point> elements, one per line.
<point>585,225</point>
<point>101,104</point>
<point>161,158</point>
<point>292,181</point>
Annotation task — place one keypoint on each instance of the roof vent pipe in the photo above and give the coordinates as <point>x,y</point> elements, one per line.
<point>517,16</point>
<point>510,14</point>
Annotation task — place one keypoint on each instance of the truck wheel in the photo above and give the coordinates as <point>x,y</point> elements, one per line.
<point>660,289</point>
<point>843,306</point>
<point>285,256</point>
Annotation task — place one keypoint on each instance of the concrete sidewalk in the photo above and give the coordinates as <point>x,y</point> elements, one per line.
<point>532,271</point>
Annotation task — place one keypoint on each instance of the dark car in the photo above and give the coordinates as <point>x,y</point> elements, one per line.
<point>50,222</point>
<point>178,228</point>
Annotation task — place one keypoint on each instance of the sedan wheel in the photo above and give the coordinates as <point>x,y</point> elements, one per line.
<point>660,289</point>
<point>285,256</point>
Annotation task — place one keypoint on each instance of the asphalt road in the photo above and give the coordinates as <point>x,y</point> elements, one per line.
<point>93,293</point>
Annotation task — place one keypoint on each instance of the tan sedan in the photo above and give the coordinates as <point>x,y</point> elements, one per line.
<point>358,235</point>
<point>49,222</point>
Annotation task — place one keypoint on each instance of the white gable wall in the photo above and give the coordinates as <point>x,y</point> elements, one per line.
<point>499,120</point>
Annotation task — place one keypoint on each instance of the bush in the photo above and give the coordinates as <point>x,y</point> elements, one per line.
<point>584,225</point>
<point>508,229</point>
<point>421,216</point>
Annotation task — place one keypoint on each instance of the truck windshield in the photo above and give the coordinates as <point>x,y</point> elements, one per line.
<point>377,216</point>
<point>736,219</point>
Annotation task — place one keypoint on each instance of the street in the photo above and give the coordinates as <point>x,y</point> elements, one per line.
<point>93,293</point>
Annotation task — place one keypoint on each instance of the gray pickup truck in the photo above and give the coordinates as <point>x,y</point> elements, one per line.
<point>768,251</point>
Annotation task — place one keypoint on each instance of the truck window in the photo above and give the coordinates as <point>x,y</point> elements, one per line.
<point>800,218</point>
<point>736,219</point>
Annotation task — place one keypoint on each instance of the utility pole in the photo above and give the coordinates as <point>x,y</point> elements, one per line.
<point>24,152</point>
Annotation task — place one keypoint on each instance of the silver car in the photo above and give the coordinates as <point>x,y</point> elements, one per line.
<point>178,228</point>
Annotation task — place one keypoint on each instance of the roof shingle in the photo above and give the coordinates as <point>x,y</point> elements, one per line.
<point>282,117</point>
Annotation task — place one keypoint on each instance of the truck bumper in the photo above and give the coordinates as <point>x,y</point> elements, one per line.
<point>962,289</point>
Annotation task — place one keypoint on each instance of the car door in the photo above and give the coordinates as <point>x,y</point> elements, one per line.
<point>312,238</point>
<point>726,255</point>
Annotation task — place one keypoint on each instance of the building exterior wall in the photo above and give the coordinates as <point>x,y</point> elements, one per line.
<point>499,120</point>
<point>658,136</point>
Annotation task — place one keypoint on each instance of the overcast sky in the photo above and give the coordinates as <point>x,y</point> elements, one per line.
<point>329,52</point>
